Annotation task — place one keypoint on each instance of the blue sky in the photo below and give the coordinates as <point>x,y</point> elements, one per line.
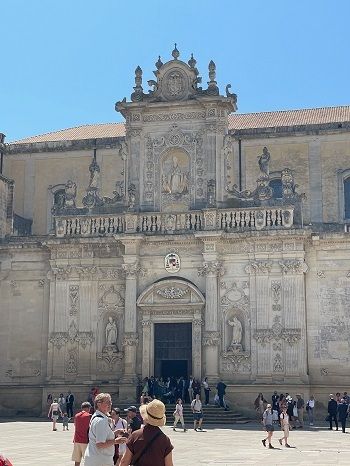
<point>65,63</point>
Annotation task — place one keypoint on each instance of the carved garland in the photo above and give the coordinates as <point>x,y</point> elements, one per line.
<point>172,292</point>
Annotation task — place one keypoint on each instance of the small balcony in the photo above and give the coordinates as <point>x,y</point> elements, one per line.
<point>229,220</point>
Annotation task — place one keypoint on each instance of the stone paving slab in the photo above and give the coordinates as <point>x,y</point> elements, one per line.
<point>35,444</point>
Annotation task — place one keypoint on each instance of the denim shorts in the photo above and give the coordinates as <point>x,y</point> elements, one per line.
<point>269,428</point>
<point>197,416</point>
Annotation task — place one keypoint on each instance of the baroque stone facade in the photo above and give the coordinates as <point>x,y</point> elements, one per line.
<point>190,219</point>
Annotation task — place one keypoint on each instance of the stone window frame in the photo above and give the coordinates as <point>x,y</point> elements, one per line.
<point>52,191</point>
<point>343,175</point>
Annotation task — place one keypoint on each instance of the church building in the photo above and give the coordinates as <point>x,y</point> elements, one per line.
<point>189,240</point>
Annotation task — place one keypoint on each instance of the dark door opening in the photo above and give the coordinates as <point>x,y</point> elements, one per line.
<point>173,368</point>
<point>172,350</point>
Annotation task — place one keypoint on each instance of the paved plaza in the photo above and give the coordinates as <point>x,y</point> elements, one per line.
<point>35,444</point>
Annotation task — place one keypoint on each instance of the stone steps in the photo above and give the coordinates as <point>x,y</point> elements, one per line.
<point>211,415</point>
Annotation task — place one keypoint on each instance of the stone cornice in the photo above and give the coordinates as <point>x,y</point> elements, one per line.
<point>63,146</point>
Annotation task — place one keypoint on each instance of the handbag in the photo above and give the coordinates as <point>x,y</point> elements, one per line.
<point>137,457</point>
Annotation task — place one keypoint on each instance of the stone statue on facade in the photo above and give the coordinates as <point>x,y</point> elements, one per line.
<point>177,181</point>
<point>264,160</point>
<point>236,342</point>
<point>111,332</point>
<point>70,193</point>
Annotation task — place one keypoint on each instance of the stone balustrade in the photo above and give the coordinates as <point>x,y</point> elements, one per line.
<point>197,220</point>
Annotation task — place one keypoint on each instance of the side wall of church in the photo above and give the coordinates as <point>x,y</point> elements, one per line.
<point>38,175</point>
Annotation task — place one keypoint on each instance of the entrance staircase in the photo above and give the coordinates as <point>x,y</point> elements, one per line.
<point>212,414</point>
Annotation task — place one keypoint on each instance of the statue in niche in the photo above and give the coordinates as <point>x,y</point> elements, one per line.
<point>264,160</point>
<point>176,182</point>
<point>111,333</point>
<point>236,342</point>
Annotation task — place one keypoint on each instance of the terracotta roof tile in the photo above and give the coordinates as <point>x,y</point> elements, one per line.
<point>307,116</point>
<point>98,131</point>
<point>237,121</point>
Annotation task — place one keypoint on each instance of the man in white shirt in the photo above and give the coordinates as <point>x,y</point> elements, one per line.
<point>196,407</point>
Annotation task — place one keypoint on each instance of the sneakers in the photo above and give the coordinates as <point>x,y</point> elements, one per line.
<point>263,442</point>
<point>271,447</point>
<point>288,446</point>
<point>280,441</point>
<point>185,430</point>
<point>196,429</point>
<point>174,429</point>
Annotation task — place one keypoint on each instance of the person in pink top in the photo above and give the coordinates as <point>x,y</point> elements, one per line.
<point>178,415</point>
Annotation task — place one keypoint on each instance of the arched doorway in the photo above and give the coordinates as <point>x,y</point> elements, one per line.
<point>171,328</point>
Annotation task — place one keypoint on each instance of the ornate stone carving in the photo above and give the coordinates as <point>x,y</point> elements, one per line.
<point>133,270</point>
<point>111,298</point>
<point>237,330</point>
<point>58,339</point>
<point>72,362</point>
<point>277,332</point>
<point>278,363</point>
<point>108,359</point>
<point>172,292</point>
<point>85,339</point>
<point>73,300</point>
<point>293,266</point>
<point>235,295</point>
<point>276,291</point>
<point>70,194</point>
<point>211,338</point>
<point>259,267</point>
<point>130,339</point>
<point>211,268</point>
<point>236,361</point>
<point>174,116</point>
<point>321,274</point>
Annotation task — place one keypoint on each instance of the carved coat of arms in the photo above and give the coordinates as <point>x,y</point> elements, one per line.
<point>172,263</point>
<point>175,84</point>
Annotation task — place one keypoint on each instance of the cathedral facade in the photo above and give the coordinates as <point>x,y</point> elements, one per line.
<point>190,240</point>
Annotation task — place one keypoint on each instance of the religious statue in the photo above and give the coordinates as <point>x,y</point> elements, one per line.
<point>264,160</point>
<point>111,332</point>
<point>236,333</point>
<point>176,182</point>
<point>94,174</point>
<point>70,193</point>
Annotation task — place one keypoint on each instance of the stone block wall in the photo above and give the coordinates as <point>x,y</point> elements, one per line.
<point>6,206</point>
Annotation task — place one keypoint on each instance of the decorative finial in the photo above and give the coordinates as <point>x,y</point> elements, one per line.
<point>212,84</point>
<point>159,63</point>
<point>138,94</point>
<point>175,53</point>
<point>192,61</point>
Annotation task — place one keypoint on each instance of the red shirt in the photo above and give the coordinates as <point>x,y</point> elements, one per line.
<point>81,423</point>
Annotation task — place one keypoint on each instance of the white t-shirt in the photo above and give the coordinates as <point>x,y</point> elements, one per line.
<point>196,405</point>
<point>121,424</point>
<point>179,409</point>
<point>205,385</point>
<point>99,432</point>
<point>311,403</point>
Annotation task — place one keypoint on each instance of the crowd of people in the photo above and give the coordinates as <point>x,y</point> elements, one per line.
<point>288,413</point>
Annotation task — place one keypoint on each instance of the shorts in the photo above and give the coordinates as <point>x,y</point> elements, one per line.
<point>78,452</point>
<point>54,417</point>
<point>285,430</point>
<point>197,416</point>
<point>269,428</point>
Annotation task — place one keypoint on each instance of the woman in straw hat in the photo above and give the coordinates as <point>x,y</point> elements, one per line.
<point>149,446</point>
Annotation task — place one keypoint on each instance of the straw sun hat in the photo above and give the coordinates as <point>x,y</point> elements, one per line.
<point>153,413</point>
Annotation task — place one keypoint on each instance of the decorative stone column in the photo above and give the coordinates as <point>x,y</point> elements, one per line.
<point>259,271</point>
<point>212,269</point>
<point>131,268</point>
<point>293,281</point>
